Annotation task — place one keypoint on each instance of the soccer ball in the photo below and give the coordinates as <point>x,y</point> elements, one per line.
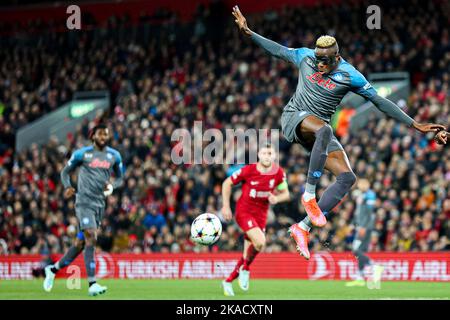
<point>206,229</point>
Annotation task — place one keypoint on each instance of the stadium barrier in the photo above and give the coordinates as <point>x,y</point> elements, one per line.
<point>431,266</point>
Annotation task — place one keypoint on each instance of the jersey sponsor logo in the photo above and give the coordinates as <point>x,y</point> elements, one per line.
<point>316,77</point>
<point>367,86</point>
<point>103,164</point>
<point>254,183</point>
<point>258,194</point>
<point>88,155</point>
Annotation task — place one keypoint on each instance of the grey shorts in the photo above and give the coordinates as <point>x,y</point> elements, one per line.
<point>89,217</point>
<point>289,122</point>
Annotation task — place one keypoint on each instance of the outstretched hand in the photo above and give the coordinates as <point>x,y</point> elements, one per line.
<point>241,21</point>
<point>428,127</point>
<point>441,137</point>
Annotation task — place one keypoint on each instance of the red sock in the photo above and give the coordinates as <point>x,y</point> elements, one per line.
<point>251,254</point>
<point>235,273</point>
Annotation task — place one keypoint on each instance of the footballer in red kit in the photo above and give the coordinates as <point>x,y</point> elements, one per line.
<point>253,205</point>
<point>263,183</point>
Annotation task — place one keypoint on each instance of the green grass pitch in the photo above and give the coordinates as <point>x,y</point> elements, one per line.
<point>211,289</point>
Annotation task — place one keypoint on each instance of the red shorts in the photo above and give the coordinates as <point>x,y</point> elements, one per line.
<point>247,221</point>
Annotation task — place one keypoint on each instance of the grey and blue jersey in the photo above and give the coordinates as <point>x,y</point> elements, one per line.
<point>95,171</point>
<point>364,214</point>
<point>320,94</point>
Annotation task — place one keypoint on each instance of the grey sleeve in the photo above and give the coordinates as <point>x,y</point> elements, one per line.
<point>75,160</point>
<point>118,181</point>
<point>274,49</point>
<point>118,172</point>
<point>65,174</point>
<point>391,109</point>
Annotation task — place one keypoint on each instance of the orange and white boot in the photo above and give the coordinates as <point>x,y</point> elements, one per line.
<point>301,238</point>
<point>316,215</point>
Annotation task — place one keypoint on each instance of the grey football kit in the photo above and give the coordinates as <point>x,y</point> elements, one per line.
<point>364,217</point>
<point>318,94</point>
<point>95,172</point>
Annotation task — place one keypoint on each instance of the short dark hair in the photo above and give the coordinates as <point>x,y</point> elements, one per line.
<point>98,127</point>
<point>266,145</point>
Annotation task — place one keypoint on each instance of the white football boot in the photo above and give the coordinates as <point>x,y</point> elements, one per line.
<point>244,279</point>
<point>96,289</point>
<point>377,273</point>
<point>227,289</point>
<point>49,278</point>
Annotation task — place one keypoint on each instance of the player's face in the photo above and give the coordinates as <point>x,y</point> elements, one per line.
<point>101,137</point>
<point>363,185</point>
<point>266,156</point>
<point>326,59</point>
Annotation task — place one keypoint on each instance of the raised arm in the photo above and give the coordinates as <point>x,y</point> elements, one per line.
<point>271,47</point>
<point>363,88</point>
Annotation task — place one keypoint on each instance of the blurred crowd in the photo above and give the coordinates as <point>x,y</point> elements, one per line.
<point>165,76</point>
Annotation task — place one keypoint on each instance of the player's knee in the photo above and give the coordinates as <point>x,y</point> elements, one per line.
<point>324,133</point>
<point>90,237</point>
<point>259,245</point>
<point>79,244</point>
<point>347,179</point>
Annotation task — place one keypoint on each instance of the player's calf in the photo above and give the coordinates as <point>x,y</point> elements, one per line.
<point>89,255</point>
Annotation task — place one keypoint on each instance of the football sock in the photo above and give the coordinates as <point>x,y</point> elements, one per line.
<point>235,273</point>
<point>89,262</point>
<point>309,195</point>
<point>333,195</point>
<point>363,260</point>
<point>67,259</point>
<point>304,226</point>
<point>318,157</point>
<point>251,254</point>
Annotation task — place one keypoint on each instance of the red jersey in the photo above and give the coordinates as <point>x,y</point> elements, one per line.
<point>256,188</point>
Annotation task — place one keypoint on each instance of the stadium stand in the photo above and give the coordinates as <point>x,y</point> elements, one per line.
<point>162,78</point>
